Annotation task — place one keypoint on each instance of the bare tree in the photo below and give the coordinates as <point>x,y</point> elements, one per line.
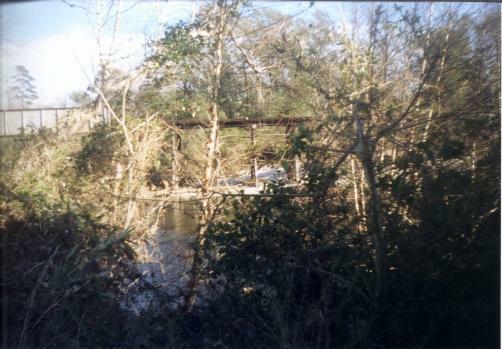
<point>219,19</point>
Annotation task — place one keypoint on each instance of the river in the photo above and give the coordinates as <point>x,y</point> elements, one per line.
<point>163,255</point>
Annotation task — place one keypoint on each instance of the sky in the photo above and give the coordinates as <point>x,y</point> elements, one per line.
<point>56,43</point>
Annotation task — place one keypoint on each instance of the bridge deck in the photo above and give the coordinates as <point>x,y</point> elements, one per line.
<point>280,121</point>
<point>13,122</point>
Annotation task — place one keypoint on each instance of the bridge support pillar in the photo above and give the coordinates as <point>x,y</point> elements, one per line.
<point>175,151</point>
<point>254,164</point>
<point>296,160</point>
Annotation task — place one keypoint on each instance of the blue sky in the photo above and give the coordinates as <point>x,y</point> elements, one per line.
<point>56,43</point>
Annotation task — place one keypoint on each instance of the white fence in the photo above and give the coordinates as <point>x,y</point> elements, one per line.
<point>25,121</point>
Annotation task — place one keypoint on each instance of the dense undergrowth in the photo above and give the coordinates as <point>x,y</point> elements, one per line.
<point>412,183</point>
<point>63,275</point>
<point>283,272</point>
<point>280,271</point>
<point>298,275</point>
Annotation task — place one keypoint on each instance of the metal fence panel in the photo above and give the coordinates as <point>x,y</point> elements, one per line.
<point>49,118</point>
<point>17,121</point>
<point>13,122</point>
<point>31,120</point>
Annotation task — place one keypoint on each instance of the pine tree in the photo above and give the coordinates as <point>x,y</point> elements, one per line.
<point>24,88</point>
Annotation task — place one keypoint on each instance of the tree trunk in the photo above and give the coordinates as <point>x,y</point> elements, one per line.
<point>206,208</point>
<point>374,223</point>
<point>356,191</point>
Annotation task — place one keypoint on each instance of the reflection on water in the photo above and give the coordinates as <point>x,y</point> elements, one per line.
<point>165,252</point>
<point>175,233</point>
<point>180,217</point>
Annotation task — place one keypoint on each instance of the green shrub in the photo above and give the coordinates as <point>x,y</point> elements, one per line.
<point>99,149</point>
<point>63,274</point>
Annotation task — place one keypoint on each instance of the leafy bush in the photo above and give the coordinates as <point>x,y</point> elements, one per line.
<point>63,274</point>
<point>294,272</point>
<point>99,149</point>
<point>291,270</point>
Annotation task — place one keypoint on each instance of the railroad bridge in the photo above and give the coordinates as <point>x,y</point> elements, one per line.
<point>252,124</point>
<point>18,122</point>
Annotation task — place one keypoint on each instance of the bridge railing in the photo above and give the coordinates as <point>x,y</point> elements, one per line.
<point>23,121</point>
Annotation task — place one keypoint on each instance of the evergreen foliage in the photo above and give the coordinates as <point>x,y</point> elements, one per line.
<point>24,89</point>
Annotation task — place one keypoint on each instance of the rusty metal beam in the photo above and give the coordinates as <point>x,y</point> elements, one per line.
<point>245,123</point>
